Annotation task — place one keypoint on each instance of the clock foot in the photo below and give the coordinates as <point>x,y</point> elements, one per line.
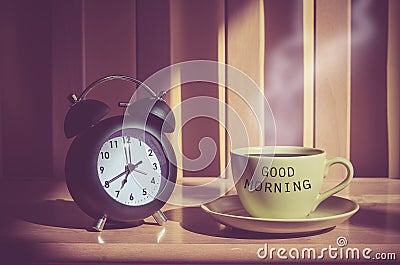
<point>160,217</point>
<point>99,224</point>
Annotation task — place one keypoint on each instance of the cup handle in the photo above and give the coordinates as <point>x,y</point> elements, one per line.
<point>342,185</point>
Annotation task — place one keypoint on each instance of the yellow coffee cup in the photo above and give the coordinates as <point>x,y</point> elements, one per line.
<point>283,182</point>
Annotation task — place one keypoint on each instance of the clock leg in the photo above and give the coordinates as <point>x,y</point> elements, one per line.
<point>99,224</point>
<point>159,217</point>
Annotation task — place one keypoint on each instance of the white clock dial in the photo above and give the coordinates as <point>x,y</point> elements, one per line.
<point>129,170</point>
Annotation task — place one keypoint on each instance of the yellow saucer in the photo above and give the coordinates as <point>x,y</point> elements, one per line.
<point>229,211</point>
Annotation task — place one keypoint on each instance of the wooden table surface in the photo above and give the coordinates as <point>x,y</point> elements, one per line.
<point>41,224</point>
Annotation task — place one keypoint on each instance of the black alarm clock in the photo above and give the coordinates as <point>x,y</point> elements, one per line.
<point>116,169</point>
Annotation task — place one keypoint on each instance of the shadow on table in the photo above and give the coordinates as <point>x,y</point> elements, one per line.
<point>64,214</point>
<point>14,250</point>
<point>195,220</point>
<point>373,216</point>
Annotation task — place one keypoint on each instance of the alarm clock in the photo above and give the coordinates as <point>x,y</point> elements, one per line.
<point>116,169</point>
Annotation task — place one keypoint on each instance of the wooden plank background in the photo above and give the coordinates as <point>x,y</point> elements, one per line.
<point>26,104</point>
<point>245,51</point>
<point>67,36</point>
<point>197,39</point>
<point>284,68</point>
<point>309,80</point>
<point>339,94</point>
<point>393,95</point>
<point>332,86</point>
<point>369,128</point>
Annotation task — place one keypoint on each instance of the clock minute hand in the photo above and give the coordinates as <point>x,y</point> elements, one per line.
<point>118,176</point>
<point>127,150</point>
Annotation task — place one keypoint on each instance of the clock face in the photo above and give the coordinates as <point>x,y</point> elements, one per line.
<point>130,167</point>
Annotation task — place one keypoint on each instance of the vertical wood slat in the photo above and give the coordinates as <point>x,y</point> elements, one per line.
<point>369,131</point>
<point>26,86</point>
<point>175,96</point>
<point>110,48</point>
<point>152,37</point>
<point>332,89</point>
<point>4,32</point>
<point>1,135</point>
<point>393,94</point>
<point>196,27</point>
<point>67,71</point>
<point>308,55</point>
<point>222,89</point>
<point>245,42</point>
<point>284,68</point>
<point>199,36</point>
<point>5,19</point>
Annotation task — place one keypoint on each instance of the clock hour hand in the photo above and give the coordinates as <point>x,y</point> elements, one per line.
<point>124,181</point>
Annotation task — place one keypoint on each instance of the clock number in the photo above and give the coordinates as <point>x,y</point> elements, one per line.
<point>131,197</point>
<point>144,192</point>
<point>140,142</point>
<point>117,191</point>
<point>101,170</point>
<point>150,152</point>
<point>153,181</point>
<point>113,144</point>
<point>105,155</point>
<point>155,166</point>
<point>106,184</point>
<point>128,139</point>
